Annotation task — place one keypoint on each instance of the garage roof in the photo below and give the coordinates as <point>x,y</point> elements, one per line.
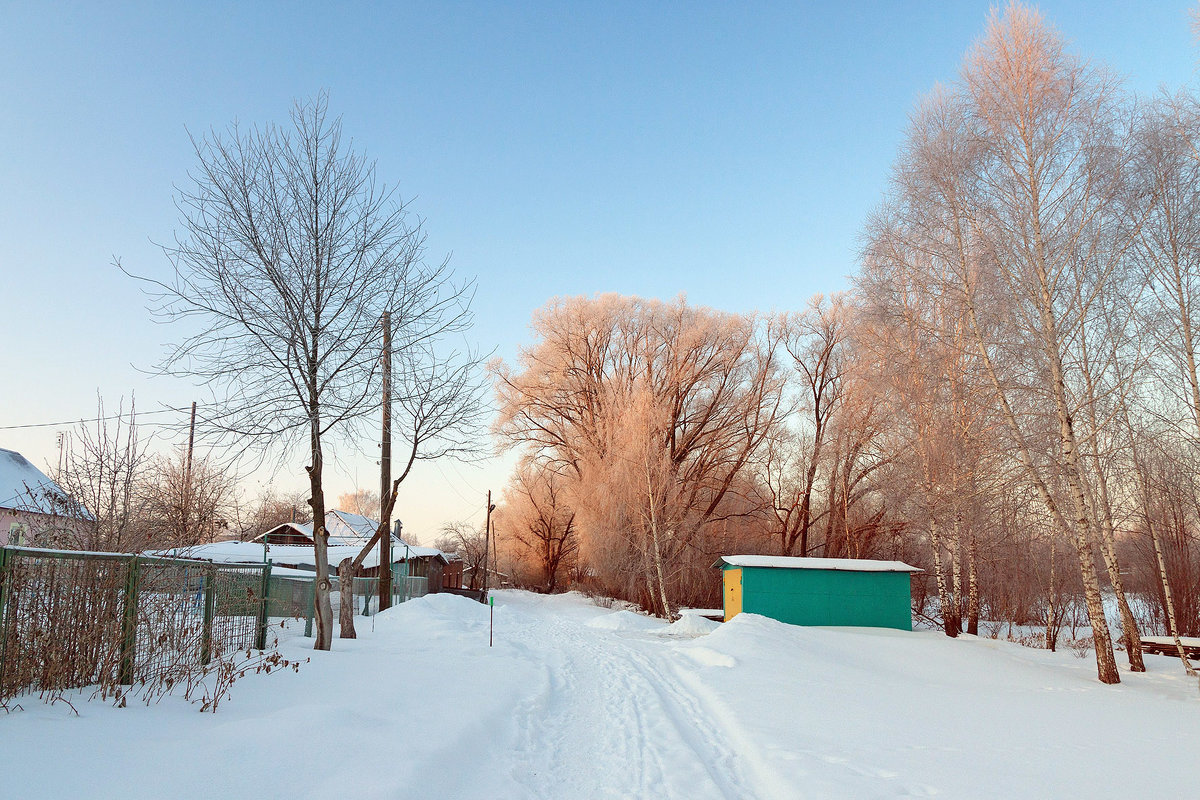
<point>795,562</point>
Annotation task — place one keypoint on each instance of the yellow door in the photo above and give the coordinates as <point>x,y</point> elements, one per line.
<point>733,593</point>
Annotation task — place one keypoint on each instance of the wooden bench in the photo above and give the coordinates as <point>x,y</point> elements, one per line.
<point>1165,646</point>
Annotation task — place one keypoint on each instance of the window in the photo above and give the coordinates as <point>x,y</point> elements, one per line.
<point>18,534</point>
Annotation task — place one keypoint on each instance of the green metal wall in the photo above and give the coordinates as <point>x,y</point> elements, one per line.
<point>828,597</point>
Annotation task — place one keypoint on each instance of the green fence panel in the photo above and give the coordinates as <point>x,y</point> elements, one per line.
<point>129,623</point>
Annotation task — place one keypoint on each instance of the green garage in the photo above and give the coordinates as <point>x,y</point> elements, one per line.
<point>819,591</point>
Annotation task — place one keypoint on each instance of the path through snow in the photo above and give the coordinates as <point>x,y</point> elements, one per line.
<point>612,718</point>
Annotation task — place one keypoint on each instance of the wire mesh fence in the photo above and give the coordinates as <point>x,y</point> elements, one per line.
<point>70,619</point>
<point>366,592</point>
<point>292,597</point>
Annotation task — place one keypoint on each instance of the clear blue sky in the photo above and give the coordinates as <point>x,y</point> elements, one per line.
<point>729,151</point>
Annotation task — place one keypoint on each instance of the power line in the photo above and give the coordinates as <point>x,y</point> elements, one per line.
<point>93,419</point>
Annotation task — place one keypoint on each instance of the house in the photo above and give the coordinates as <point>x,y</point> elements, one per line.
<point>343,527</point>
<point>452,574</point>
<point>819,591</point>
<point>32,506</point>
<point>348,534</point>
<point>290,546</point>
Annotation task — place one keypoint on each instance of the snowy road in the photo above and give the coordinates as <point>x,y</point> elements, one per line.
<point>612,717</point>
<point>577,701</point>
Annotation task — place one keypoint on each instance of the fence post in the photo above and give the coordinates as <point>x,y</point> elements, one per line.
<point>129,624</point>
<point>5,582</point>
<point>210,601</point>
<point>312,607</point>
<point>260,642</point>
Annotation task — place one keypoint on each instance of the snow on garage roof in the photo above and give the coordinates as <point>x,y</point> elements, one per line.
<point>796,562</point>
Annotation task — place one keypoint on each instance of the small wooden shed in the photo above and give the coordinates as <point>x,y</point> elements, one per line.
<point>819,591</point>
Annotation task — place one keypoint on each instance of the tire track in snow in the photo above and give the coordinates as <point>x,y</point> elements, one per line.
<point>569,730</point>
<point>614,719</point>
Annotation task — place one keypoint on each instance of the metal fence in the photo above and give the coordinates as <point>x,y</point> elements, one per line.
<point>366,592</point>
<point>70,619</point>
<point>293,595</point>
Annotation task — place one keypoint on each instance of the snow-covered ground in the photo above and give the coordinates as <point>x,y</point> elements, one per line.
<point>576,701</point>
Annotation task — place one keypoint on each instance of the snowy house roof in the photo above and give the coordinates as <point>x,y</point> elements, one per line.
<point>24,487</point>
<point>302,528</point>
<point>796,562</point>
<point>344,529</point>
<point>347,528</point>
<point>295,554</point>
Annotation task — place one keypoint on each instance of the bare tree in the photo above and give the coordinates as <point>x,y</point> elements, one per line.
<point>1010,200</point>
<point>1168,513</point>
<point>814,339</point>
<point>1167,248</point>
<point>469,544</point>
<point>612,376</point>
<point>363,502</point>
<point>290,253</point>
<point>185,507</point>
<point>271,508</point>
<point>541,520</point>
<point>101,473</point>
<point>1050,173</point>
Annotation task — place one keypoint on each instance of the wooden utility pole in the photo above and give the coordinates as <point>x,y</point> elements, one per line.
<point>191,441</point>
<point>385,472</point>
<point>187,478</point>
<point>495,556</point>
<point>487,530</point>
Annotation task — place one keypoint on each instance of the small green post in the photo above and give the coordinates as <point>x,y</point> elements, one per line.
<point>129,624</point>
<point>260,641</point>
<point>491,617</point>
<point>210,602</point>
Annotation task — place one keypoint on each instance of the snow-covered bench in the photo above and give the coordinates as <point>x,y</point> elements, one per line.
<point>1165,645</point>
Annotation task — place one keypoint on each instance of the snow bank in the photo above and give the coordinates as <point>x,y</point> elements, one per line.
<point>708,657</point>
<point>690,626</point>
<point>624,620</point>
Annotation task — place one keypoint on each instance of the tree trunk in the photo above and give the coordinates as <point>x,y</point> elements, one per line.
<point>956,593</point>
<point>949,621</point>
<point>346,572</point>
<point>1106,666</point>
<point>323,634</point>
<point>1106,661</point>
<point>660,576</point>
<point>656,551</point>
<point>1051,606</point>
<point>1108,547</point>
<point>972,585</point>
<point>1129,626</point>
